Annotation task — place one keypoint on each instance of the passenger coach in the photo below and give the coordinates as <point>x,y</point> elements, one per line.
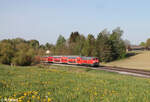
<point>76,60</point>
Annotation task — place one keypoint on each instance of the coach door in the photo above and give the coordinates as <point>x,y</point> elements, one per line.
<point>78,60</point>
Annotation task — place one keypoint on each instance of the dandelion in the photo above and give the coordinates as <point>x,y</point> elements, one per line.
<point>29,92</point>
<point>38,97</point>
<point>49,99</point>
<point>95,93</point>
<point>35,93</point>
<point>19,100</point>
<point>49,93</point>
<point>33,96</point>
<point>14,95</point>
<point>44,100</point>
<point>25,94</point>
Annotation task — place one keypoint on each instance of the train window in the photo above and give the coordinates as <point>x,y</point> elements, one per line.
<point>71,57</point>
<point>95,58</point>
<point>84,58</point>
<point>89,58</point>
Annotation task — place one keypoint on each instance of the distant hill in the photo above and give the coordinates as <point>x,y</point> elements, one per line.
<point>139,61</point>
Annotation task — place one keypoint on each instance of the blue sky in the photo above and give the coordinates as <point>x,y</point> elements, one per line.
<point>44,20</point>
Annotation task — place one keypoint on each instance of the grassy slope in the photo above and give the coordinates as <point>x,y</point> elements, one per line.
<point>70,84</point>
<point>139,61</point>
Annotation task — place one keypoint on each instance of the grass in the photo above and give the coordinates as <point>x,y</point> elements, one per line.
<point>70,84</point>
<point>138,61</point>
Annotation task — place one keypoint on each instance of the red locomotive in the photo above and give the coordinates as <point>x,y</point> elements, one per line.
<point>77,60</point>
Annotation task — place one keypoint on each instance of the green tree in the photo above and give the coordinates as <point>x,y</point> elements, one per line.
<point>74,37</point>
<point>78,46</point>
<point>89,48</point>
<point>34,44</point>
<point>18,40</point>
<point>104,46</point>
<point>60,45</point>
<point>118,45</point>
<point>48,46</point>
<point>60,41</point>
<point>42,47</point>
<point>24,55</point>
<point>6,52</point>
<point>76,43</point>
<point>143,44</point>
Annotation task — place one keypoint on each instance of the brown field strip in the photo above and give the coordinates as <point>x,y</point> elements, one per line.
<point>139,61</point>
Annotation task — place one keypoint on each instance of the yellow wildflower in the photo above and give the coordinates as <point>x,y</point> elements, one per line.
<point>33,96</point>
<point>44,100</point>
<point>49,99</point>
<point>29,92</point>
<point>19,100</point>
<point>35,93</point>
<point>95,93</point>
<point>38,97</point>
<point>49,93</point>
<point>22,97</point>
<point>25,94</point>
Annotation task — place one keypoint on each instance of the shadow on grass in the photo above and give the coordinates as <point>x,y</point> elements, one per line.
<point>130,54</point>
<point>88,69</point>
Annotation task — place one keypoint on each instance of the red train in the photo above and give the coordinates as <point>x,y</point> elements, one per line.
<point>77,60</point>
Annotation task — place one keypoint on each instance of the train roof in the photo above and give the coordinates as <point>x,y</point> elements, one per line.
<point>71,56</point>
<point>66,56</point>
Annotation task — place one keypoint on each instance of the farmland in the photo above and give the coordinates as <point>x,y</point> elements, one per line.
<point>139,61</point>
<point>70,84</point>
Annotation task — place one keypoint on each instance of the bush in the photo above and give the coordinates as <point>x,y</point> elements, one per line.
<point>23,59</point>
<point>16,51</point>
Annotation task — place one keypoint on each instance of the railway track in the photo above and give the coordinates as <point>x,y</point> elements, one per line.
<point>126,71</point>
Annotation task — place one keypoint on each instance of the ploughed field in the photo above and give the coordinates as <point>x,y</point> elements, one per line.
<point>70,84</point>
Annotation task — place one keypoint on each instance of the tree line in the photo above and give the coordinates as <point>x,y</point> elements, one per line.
<point>107,46</point>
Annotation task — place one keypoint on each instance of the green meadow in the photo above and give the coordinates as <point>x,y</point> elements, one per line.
<point>70,84</point>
